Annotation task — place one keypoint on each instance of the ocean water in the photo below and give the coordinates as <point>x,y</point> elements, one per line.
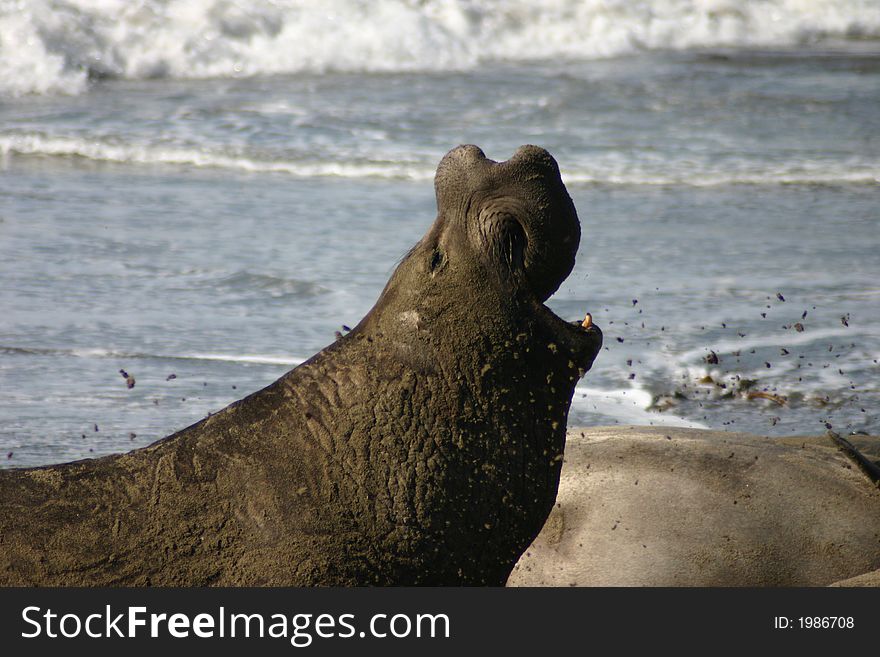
<point>200,193</point>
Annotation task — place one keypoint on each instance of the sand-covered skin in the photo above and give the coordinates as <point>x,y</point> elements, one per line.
<point>654,506</point>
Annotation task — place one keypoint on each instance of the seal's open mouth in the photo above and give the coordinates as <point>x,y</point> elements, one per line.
<point>581,340</point>
<point>593,338</point>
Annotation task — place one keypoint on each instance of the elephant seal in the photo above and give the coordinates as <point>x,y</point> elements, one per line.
<point>865,580</point>
<point>424,447</point>
<point>662,506</point>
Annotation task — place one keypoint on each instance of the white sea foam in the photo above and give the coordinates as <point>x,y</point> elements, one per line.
<point>258,359</point>
<point>602,170</point>
<point>629,406</point>
<point>795,173</point>
<point>55,45</point>
<point>791,339</point>
<point>140,153</point>
<point>97,352</point>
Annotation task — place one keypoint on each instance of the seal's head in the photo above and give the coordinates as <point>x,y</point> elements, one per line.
<point>516,214</point>
<point>505,238</point>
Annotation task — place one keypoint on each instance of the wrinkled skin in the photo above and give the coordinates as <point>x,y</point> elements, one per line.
<point>424,447</point>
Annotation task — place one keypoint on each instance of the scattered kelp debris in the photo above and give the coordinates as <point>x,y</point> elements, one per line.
<point>129,379</point>
<point>760,394</point>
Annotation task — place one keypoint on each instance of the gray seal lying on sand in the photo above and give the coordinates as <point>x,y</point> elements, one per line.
<point>424,447</point>
<point>664,506</point>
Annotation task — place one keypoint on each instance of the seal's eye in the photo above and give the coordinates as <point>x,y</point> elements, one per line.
<point>437,259</point>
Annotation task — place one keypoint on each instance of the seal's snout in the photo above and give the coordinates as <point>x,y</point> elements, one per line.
<point>551,225</point>
<point>522,201</point>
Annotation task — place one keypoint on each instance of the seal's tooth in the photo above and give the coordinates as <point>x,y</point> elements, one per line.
<point>588,321</point>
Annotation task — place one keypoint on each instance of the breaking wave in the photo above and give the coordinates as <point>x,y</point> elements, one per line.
<point>57,46</point>
<point>600,171</point>
<point>257,359</point>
